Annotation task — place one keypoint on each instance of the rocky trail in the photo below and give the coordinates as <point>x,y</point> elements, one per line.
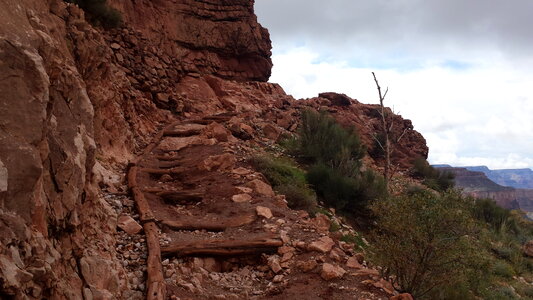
<point>215,229</point>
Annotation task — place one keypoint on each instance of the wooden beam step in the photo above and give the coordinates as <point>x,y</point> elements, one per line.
<point>227,247</point>
<point>209,224</point>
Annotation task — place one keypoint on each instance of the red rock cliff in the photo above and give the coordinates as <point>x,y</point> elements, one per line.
<point>219,37</point>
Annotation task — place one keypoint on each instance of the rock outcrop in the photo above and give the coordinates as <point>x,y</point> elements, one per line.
<point>218,37</point>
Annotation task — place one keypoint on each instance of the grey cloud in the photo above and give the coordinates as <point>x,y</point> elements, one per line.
<point>403,29</point>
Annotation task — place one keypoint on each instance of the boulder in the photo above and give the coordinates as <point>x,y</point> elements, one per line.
<point>353,263</point>
<point>324,245</point>
<point>271,131</point>
<point>261,188</point>
<point>321,222</point>
<point>217,131</point>
<point>330,272</point>
<point>337,99</point>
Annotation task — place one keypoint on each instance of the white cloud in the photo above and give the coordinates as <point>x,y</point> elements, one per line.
<point>469,116</point>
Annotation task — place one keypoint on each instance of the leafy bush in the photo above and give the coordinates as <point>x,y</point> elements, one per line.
<point>426,241</point>
<point>287,179</point>
<point>432,178</point>
<point>100,13</point>
<point>324,141</point>
<point>497,217</point>
<point>298,197</point>
<point>346,194</point>
<point>335,154</point>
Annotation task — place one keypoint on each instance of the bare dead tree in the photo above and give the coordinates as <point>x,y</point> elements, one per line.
<point>389,142</point>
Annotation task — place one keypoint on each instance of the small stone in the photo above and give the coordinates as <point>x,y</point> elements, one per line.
<point>115,46</point>
<point>261,188</point>
<point>285,249</point>
<point>241,171</point>
<point>277,278</point>
<point>336,254</point>
<point>263,212</point>
<point>273,263</point>
<point>169,273</point>
<point>244,189</point>
<point>166,178</point>
<point>240,198</point>
<point>129,225</point>
<point>284,237</point>
<point>307,266</point>
<point>287,256</point>
<point>330,272</point>
<point>353,263</point>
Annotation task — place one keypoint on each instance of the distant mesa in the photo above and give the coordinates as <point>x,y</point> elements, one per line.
<point>511,189</point>
<point>517,178</point>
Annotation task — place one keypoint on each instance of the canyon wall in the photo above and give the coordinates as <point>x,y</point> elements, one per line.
<point>77,103</point>
<point>477,184</point>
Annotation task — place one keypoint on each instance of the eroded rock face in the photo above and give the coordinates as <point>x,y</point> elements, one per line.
<point>219,37</point>
<point>50,212</point>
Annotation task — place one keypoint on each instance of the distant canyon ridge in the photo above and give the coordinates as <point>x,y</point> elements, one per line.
<point>510,188</point>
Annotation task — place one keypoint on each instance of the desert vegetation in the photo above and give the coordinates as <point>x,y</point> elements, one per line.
<point>333,155</point>
<point>432,177</point>
<point>430,240</point>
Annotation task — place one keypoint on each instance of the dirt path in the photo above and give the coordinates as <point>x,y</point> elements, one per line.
<point>215,229</point>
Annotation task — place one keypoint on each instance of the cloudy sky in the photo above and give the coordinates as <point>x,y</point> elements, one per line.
<point>461,70</point>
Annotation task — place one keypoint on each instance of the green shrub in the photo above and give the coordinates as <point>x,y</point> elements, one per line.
<point>335,155</point>
<point>501,293</point>
<point>503,269</point>
<point>432,178</point>
<point>279,171</point>
<point>426,241</point>
<point>298,197</point>
<point>323,140</point>
<point>99,13</point>
<point>287,179</point>
<point>525,290</point>
<point>344,193</point>
<point>497,217</point>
